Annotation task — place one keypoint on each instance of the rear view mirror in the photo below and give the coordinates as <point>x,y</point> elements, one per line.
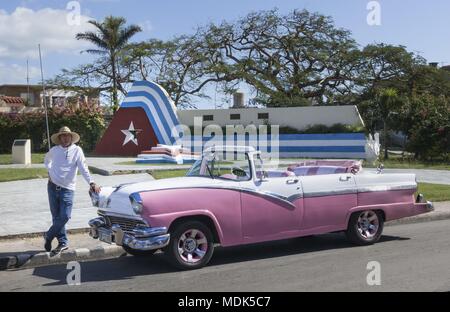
<point>238,172</point>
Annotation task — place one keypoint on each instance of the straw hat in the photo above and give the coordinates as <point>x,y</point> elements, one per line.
<point>65,130</point>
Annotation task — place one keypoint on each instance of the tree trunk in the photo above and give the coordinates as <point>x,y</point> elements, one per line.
<point>115,105</point>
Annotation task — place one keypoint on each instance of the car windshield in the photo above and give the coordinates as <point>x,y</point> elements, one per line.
<point>222,165</point>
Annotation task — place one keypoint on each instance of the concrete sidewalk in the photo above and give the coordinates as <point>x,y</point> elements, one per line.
<point>24,204</point>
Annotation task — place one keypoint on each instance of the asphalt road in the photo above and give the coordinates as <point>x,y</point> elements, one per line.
<point>413,257</point>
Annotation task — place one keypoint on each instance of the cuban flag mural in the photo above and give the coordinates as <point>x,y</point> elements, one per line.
<point>147,125</point>
<point>146,117</point>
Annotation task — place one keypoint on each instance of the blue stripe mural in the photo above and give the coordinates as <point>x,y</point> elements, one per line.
<point>158,107</point>
<point>163,118</point>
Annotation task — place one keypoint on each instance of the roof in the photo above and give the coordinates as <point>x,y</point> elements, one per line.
<point>21,86</point>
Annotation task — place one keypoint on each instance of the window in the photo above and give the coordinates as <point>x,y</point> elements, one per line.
<point>263,115</point>
<point>235,116</point>
<point>208,117</point>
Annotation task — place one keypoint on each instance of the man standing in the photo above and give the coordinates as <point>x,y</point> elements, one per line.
<point>62,163</point>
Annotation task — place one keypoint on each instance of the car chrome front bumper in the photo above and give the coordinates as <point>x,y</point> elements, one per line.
<point>140,238</point>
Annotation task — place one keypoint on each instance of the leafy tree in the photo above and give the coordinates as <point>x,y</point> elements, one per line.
<point>426,121</point>
<point>286,59</point>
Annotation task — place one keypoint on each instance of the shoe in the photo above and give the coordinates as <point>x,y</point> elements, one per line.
<point>47,244</point>
<point>59,249</point>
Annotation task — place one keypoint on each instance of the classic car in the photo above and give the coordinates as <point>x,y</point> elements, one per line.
<point>228,198</point>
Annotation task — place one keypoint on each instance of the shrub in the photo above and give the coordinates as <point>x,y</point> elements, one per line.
<point>86,121</point>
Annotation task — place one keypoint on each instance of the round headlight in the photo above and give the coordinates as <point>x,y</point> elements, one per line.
<point>136,203</point>
<point>137,207</point>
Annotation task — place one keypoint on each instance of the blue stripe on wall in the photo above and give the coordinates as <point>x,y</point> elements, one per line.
<point>163,97</point>
<point>294,137</point>
<point>152,99</point>
<point>327,149</point>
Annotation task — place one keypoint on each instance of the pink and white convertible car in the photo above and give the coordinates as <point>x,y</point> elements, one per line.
<point>228,198</point>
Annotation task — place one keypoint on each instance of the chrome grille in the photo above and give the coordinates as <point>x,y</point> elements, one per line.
<point>127,225</point>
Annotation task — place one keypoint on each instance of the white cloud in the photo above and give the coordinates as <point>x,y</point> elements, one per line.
<point>17,74</point>
<point>23,29</point>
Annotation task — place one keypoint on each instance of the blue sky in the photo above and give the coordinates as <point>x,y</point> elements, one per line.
<point>422,26</point>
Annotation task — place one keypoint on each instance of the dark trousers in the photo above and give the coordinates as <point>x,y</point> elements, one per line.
<point>61,201</point>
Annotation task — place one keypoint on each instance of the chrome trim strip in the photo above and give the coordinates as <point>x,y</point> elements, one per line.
<point>329,193</point>
<point>383,188</point>
<point>294,197</point>
<point>270,195</point>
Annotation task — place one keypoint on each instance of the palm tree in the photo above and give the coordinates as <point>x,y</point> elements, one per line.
<point>110,38</point>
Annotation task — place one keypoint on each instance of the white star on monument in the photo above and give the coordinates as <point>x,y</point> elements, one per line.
<point>130,134</point>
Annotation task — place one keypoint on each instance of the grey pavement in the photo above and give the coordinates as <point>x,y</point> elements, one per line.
<point>412,257</point>
<point>24,204</point>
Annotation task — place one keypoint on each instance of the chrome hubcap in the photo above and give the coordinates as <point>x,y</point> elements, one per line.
<point>368,224</point>
<point>192,246</point>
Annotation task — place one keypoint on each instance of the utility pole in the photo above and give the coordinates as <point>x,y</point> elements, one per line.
<point>44,97</point>
<point>28,85</point>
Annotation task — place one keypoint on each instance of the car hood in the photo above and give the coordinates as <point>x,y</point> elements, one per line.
<point>116,199</point>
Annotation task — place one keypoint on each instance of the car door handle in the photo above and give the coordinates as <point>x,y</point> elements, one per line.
<point>343,179</point>
<point>292,181</point>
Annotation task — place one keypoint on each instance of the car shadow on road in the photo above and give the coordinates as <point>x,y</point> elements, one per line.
<point>21,253</point>
<point>128,267</point>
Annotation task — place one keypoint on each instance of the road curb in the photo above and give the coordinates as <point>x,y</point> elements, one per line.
<point>100,171</point>
<point>26,261</point>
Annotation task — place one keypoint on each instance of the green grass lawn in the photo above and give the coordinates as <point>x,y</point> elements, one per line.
<point>36,158</point>
<point>164,174</point>
<point>22,174</point>
<point>434,192</point>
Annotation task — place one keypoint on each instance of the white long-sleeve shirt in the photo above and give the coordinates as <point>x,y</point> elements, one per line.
<point>63,163</point>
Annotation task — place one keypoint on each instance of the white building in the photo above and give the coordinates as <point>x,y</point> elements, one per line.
<point>294,117</point>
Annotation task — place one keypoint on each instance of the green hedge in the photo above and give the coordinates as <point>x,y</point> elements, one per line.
<point>88,122</point>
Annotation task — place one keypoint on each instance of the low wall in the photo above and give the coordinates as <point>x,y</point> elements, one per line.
<point>333,145</point>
